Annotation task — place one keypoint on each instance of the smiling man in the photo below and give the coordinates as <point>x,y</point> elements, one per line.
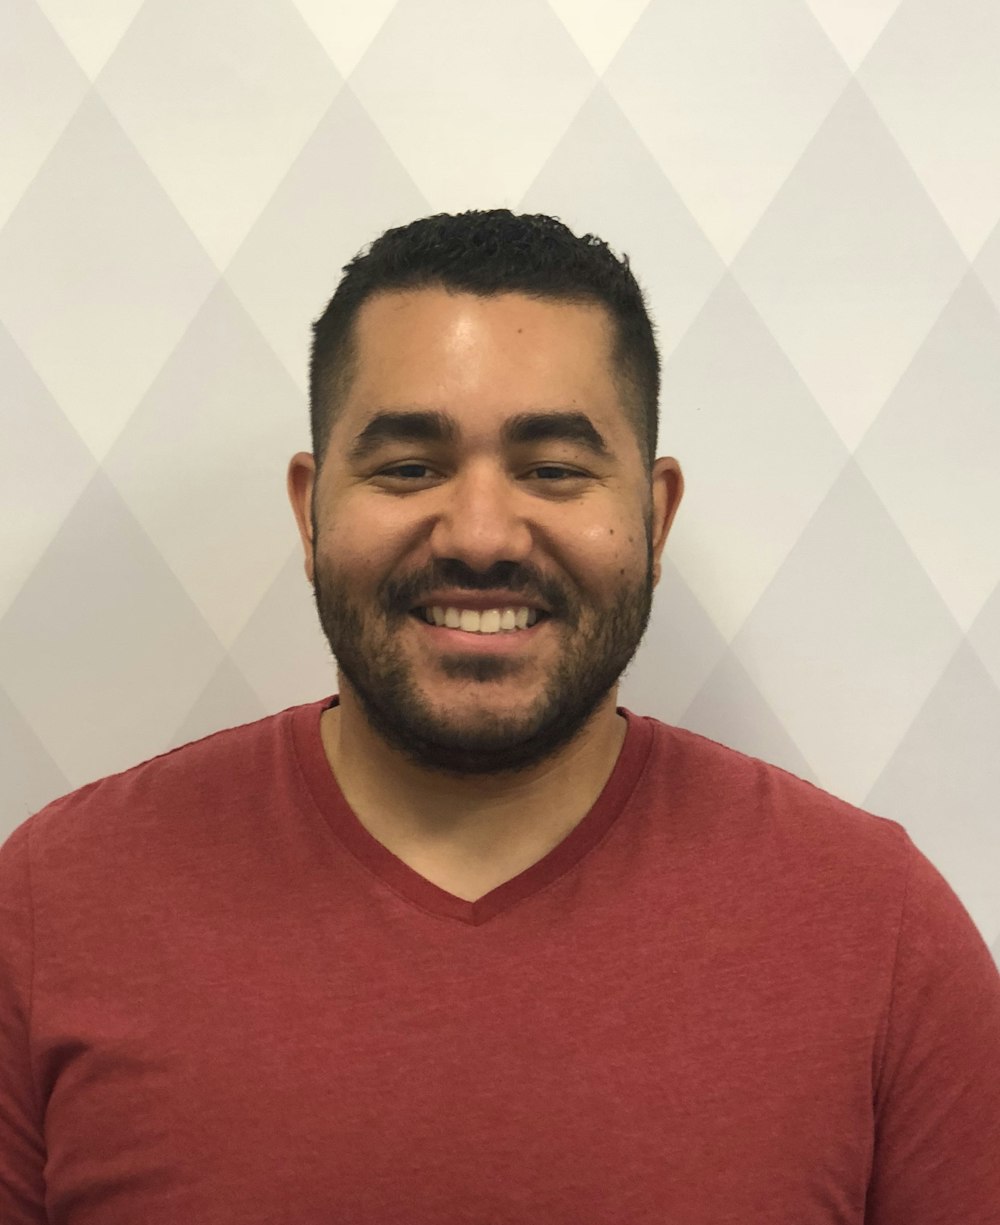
<point>467,942</point>
<point>484,534</point>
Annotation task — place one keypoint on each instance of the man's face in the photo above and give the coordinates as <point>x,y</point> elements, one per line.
<point>553,520</point>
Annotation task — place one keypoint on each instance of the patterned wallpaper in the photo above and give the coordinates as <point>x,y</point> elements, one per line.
<point>809,192</point>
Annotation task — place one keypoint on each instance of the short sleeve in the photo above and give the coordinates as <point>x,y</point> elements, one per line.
<point>937,1079</point>
<point>22,1149</point>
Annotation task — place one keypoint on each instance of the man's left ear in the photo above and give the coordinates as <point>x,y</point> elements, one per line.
<point>667,489</point>
<point>300,482</point>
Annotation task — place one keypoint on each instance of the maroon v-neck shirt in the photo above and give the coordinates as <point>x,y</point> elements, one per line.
<point>724,999</point>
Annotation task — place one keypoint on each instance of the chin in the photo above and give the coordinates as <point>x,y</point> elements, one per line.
<point>464,701</point>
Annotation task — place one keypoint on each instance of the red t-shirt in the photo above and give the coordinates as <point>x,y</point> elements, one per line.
<point>726,998</point>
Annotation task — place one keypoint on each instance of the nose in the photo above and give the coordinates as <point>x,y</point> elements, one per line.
<point>482,519</point>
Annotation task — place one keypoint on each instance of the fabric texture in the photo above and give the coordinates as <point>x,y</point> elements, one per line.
<point>726,998</point>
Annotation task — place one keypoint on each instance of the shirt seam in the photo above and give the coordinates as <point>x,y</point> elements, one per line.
<point>882,1039</point>
<point>31,978</point>
<point>591,850</point>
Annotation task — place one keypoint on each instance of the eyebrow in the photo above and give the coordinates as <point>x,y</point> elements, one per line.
<point>438,427</point>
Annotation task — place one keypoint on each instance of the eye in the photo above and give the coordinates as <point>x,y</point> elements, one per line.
<point>413,473</point>
<point>394,472</point>
<point>570,473</point>
<point>554,473</point>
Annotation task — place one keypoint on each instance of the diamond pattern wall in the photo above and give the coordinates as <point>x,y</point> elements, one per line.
<point>809,191</point>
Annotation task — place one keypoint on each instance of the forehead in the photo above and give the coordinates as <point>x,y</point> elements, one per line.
<point>481,359</point>
<point>456,317</point>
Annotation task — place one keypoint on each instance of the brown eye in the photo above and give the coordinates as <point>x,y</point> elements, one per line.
<point>401,468</point>
<point>568,472</point>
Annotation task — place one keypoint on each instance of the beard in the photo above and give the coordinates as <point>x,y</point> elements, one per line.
<point>595,644</point>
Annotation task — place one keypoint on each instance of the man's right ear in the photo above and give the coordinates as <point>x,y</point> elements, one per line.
<point>301,481</point>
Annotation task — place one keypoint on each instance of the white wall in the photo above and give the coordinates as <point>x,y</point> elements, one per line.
<point>810,194</point>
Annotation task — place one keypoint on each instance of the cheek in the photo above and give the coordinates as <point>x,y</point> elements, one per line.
<point>343,559</point>
<point>614,551</point>
<point>351,540</point>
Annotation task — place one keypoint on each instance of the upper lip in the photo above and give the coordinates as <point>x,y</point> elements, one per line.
<point>480,600</point>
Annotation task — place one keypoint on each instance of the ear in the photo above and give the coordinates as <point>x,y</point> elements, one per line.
<point>301,481</point>
<point>667,489</point>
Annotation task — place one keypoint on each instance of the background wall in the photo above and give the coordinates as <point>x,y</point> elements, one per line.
<point>809,192</point>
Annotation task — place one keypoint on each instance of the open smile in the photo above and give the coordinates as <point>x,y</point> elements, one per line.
<point>502,642</point>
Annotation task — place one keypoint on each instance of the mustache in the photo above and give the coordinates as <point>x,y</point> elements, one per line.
<point>405,593</point>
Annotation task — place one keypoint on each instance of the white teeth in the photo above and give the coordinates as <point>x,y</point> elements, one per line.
<point>489,621</point>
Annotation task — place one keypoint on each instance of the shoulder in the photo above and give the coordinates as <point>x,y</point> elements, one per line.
<point>212,772</point>
<point>743,797</point>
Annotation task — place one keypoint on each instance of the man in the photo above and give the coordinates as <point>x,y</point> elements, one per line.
<point>468,942</point>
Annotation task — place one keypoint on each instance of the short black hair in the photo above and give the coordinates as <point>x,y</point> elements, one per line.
<point>486,253</point>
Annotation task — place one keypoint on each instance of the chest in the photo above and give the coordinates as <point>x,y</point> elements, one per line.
<point>331,1079</point>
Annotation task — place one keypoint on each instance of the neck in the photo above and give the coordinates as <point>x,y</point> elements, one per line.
<point>479,820</point>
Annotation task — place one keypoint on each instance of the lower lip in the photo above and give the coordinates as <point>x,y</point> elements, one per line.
<point>484,644</point>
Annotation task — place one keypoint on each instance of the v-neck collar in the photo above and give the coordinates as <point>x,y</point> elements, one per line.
<point>326,795</point>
